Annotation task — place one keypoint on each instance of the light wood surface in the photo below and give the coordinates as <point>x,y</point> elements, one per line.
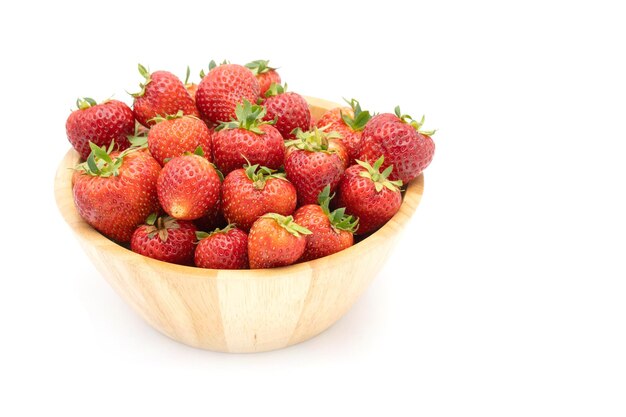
<point>245,310</point>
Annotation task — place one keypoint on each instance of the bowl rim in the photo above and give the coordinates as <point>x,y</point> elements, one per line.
<point>86,233</point>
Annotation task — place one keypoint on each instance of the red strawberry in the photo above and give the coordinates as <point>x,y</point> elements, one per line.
<point>109,121</point>
<point>176,134</point>
<point>330,231</point>
<point>165,239</point>
<point>349,122</point>
<point>247,139</point>
<point>222,89</point>
<point>115,192</point>
<point>222,249</point>
<point>290,110</point>
<point>161,93</point>
<point>310,164</point>
<point>399,139</point>
<point>264,74</point>
<point>370,195</point>
<point>251,192</point>
<point>275,240</point>
<point>188,187</point>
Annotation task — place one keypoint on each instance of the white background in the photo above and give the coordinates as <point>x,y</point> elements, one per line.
<point>506,295</point>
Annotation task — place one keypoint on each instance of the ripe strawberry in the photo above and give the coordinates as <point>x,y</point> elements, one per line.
<point>370,195</point>
<point>330,231</point>
<point>176,134</point>
<point>311,165</point>
<point>161,93</point>
<point>166,239</point>
<point>188,187</point>
<point>247,139</point>
<point>249,193</point>
<point>275,240</point>
<point>109,121</point>
<point>115,192</point>
<point>222,89</point>
<point>264,74</point>
<point>399,139</point>
<point>349,122</point>
<point>222,249</point>
<point>290,110</point>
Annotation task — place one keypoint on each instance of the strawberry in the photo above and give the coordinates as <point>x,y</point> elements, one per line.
<point>349,122</point>
<point>188,187</point>
<point>310,164</point>
<point>275,240</point>
<point>222,249</point>
<point>109,121</point>
<point>161,93</point>
<point>399,139</point>
<point>166,239</point>
<point>370,195</point>
<point>249,193</point>
<point>114,192</point>
<point>173,135</point>
<point>290,110</point>
<point>264,74</point>
<point>247,139</point>
<point>330,231</point>
<point>222,89</point>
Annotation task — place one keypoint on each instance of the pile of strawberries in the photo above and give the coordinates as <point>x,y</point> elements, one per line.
<point>235,173</point>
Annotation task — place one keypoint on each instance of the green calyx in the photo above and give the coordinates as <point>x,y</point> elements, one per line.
<point>137,140</point>
<point>85,103</point>
<point>247,116</point>
<point>361,117</point>
<point>380,179</point>
<point>159,225</point>
<point>260,174</point>
<point>417,125</point>
<point>99,163</point>
<point>315,140</point>
<point>204,235</point>
<point>146,75</point>
<point>338,218</point>
<point>287,223</point>
<point>213,65</point>
<point>158,118</point>
<point>275,89</point>
<point>259,66</point>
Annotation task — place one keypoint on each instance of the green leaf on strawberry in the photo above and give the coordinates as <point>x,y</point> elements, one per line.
<point>380,179</point>
<point>360,118</point>
<point>338,218</point>
<point>247,116</point>
<point>287,223</point>
<point>259,66</point>
<point>417,125</point>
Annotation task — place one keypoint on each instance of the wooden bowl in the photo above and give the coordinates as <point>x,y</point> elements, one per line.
<point>238,310</point>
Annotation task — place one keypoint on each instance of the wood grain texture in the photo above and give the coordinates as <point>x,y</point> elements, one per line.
<point>238,311</point>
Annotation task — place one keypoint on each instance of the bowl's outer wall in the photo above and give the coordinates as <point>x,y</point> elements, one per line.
<point>238,311</point>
